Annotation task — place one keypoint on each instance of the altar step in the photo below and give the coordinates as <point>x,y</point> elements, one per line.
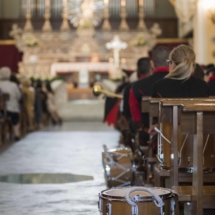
<point>83,110</point>
<point>79,93</point>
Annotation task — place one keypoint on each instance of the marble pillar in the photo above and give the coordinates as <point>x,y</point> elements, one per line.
<point>204,33</point>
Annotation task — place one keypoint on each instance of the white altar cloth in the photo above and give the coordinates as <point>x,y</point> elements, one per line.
<point>76,67</point>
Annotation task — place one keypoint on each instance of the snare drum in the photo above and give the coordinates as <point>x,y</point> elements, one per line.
<point>114,202</point>
<point>118,167</point>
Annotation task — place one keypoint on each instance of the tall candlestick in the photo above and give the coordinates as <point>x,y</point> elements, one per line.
<point>106,24</point>
<point>28,24</point>
<point>141,24</point>
<point>123,15</point>
<point>65,24</point>
<point>47,15</point>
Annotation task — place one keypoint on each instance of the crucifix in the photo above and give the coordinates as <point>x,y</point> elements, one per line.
<point>117,45</point>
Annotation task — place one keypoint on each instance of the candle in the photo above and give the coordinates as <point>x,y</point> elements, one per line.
<point>47,3</point>
<point>64,3</point>
<point>140,3</point>
<point>123,3</point>
<point>106,2</point>
<point>123,60</point>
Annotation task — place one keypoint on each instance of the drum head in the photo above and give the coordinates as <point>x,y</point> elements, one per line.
<point>120,193</point>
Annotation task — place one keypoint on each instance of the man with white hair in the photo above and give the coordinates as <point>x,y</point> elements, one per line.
<point>12,105</point>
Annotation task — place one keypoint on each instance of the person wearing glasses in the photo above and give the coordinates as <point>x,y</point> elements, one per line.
<point>180,83</point>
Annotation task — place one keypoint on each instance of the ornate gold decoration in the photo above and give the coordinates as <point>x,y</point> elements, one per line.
<point>185,9</point>
<point>85,13</point>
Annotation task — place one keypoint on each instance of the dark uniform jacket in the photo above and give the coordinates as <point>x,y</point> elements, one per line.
<point>141,88</point>
<point>190,88</point>
<point>126,109</point>
<point>211,84</point>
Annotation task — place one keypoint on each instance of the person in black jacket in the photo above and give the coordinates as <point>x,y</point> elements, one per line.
<point>143,70</point>
<point>211,81</point>
<point>143,87</point>
<point>180,83</point>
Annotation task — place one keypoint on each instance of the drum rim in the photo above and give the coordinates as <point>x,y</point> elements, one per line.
<point>141,199</point>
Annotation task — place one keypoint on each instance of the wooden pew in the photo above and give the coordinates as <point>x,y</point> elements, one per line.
<point>162,173</point>
<point>196,119</point>
<point>150,158</point>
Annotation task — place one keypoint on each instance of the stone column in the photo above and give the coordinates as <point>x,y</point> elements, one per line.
<point>123,24</point>
<point>28,24</point>
<point>204,32</point>
<point>65,24</point>
<point>106,24</point>
<point>47,25</point>
<point>141,24</point>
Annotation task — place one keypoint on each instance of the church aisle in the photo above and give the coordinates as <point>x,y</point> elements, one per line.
<point>63,151</point>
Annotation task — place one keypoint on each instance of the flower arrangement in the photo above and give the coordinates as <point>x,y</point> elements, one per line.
<point>31,41</point>
<point>139,41</point>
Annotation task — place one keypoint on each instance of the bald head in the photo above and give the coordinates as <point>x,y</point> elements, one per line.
<point>159,56</point>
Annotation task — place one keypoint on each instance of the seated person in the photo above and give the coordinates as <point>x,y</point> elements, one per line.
<point>211,81</point>
<point>180,83</point>
<point>143,87</point>
<point>28,103</point>
<point>12,105</point>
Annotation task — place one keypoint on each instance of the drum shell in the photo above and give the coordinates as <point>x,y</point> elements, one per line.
<point>121,207</point>
<point>112,171</point>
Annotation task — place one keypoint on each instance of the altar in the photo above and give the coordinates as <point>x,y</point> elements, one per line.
<point>84,74</point>
<point>48,52</point>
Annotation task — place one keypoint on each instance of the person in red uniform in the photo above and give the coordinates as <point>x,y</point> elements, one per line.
<point>143,70</point>
<point>143,87</point>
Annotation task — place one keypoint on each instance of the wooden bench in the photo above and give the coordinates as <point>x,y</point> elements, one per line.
<point>166,117</point>
<point>150,158</point>
<point>196,118</point>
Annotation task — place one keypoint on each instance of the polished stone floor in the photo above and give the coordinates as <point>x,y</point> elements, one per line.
<point>74,148</point>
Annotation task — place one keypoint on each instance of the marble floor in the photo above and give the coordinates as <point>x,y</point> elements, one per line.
<point>74,148</point>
